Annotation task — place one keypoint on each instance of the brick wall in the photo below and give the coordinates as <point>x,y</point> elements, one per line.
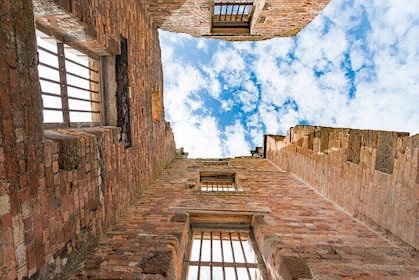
<point>295,228</point>
<point>59,188</point>
<point>271,18</point>
<point>371,174</point>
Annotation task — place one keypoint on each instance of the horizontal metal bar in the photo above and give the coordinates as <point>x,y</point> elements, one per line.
<point>51,94</point>
<point>47,51</point>
<point>83,99</point>
<point>80,88</point>
<point>49,80</point>
<point>81,65</point>
<point>49,66</point>
<point>81,77</point>
<point>222,264</point>
<point>52,109</point>
<point>84,111</point>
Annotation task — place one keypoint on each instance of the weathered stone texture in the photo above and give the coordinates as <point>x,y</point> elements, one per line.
<point>298,231</point>
<point>371,174</point>
<point>270,19</point>
<point>59,188</point>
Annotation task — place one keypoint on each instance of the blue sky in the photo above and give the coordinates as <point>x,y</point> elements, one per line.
<point>355,65</point>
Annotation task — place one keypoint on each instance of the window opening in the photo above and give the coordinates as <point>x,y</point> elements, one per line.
<point>69,83</point>
<point>223,253</point>
<point>231,16</point>
<point>121,67</point>
<point>217,182</point>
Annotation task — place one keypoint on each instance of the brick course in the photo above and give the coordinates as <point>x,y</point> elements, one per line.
<point>291,221</point>
<point>60,188</point>
<point>374,178</point>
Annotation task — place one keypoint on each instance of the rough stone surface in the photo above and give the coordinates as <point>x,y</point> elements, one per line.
<point>371,174</point>
<point>59,189</point>
<point>302,233</point>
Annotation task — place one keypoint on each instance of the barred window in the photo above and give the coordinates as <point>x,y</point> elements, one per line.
<point>218,182</point>
<point>70,83</point>
<point>223,251</point>
<point>231,16</point>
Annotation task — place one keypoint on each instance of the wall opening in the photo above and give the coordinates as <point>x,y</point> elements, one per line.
<point>122,95</point>
<point>217,181</point>
<point>70,83</point>
<point>222,247</point>
<point>231,17</point>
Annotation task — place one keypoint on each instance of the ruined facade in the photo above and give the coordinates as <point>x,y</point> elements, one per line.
<point>112,198</point>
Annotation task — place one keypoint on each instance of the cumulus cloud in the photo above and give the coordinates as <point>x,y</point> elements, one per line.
<point>355,65</point>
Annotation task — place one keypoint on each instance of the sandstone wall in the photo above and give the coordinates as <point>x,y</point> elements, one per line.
<point>275,18</point>
<point>371,174</point>
<point>60,187</point>
<point>300,233</point>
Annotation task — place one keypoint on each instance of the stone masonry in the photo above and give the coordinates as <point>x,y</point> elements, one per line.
<point>61,187</point>
<point>371,174</point>
<point>76,203</point>
<point>292,222</point>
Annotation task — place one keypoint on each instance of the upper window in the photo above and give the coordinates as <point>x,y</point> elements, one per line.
<point>231,17</point>
<point>217,182</point>
<point>69,83</point>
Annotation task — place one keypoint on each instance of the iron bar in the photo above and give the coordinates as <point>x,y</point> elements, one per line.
<point>232,252</point>
<point>47,51</point>
<point>81,65</point>
<point>63,82</point>
<point>80,88</point>
<point>244,256</point>
<point>81,77</point>
<point>49,66</point>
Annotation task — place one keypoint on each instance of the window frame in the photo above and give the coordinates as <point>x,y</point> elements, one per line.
<point>218,182</point>
<point>242,26</point>
<point>223,224</point>
<point>96,103</point>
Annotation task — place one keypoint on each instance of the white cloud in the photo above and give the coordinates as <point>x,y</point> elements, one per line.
<point>366,48</point>
<point>235,142</point>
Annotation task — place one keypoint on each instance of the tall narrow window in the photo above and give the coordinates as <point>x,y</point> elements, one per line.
<point>122,95</point>
<point>231,17</point>
<point>223,254</point>
<point>69,83</point>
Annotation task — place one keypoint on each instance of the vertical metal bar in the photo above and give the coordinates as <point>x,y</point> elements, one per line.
<point>63,83</point>
<point>244,256</point>
<point>211,256</point>
<point>238,9</point>
<point>222,256</point>
<point>200,255</point>
<point>244,10</point>
<point>234,259</point>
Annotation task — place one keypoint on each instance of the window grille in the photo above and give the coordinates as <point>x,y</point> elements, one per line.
<point>218,182</point>
<point>222,254</point>
<point>231,16</point>
<point>69,83</point>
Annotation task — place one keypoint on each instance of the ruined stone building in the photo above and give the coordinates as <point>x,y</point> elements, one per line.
<point>109,198</point>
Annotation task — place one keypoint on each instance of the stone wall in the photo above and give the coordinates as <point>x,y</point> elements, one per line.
<point>275,18</point>
<point>61,187</point>
<point>372,174</point>
<point>299,233</point>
